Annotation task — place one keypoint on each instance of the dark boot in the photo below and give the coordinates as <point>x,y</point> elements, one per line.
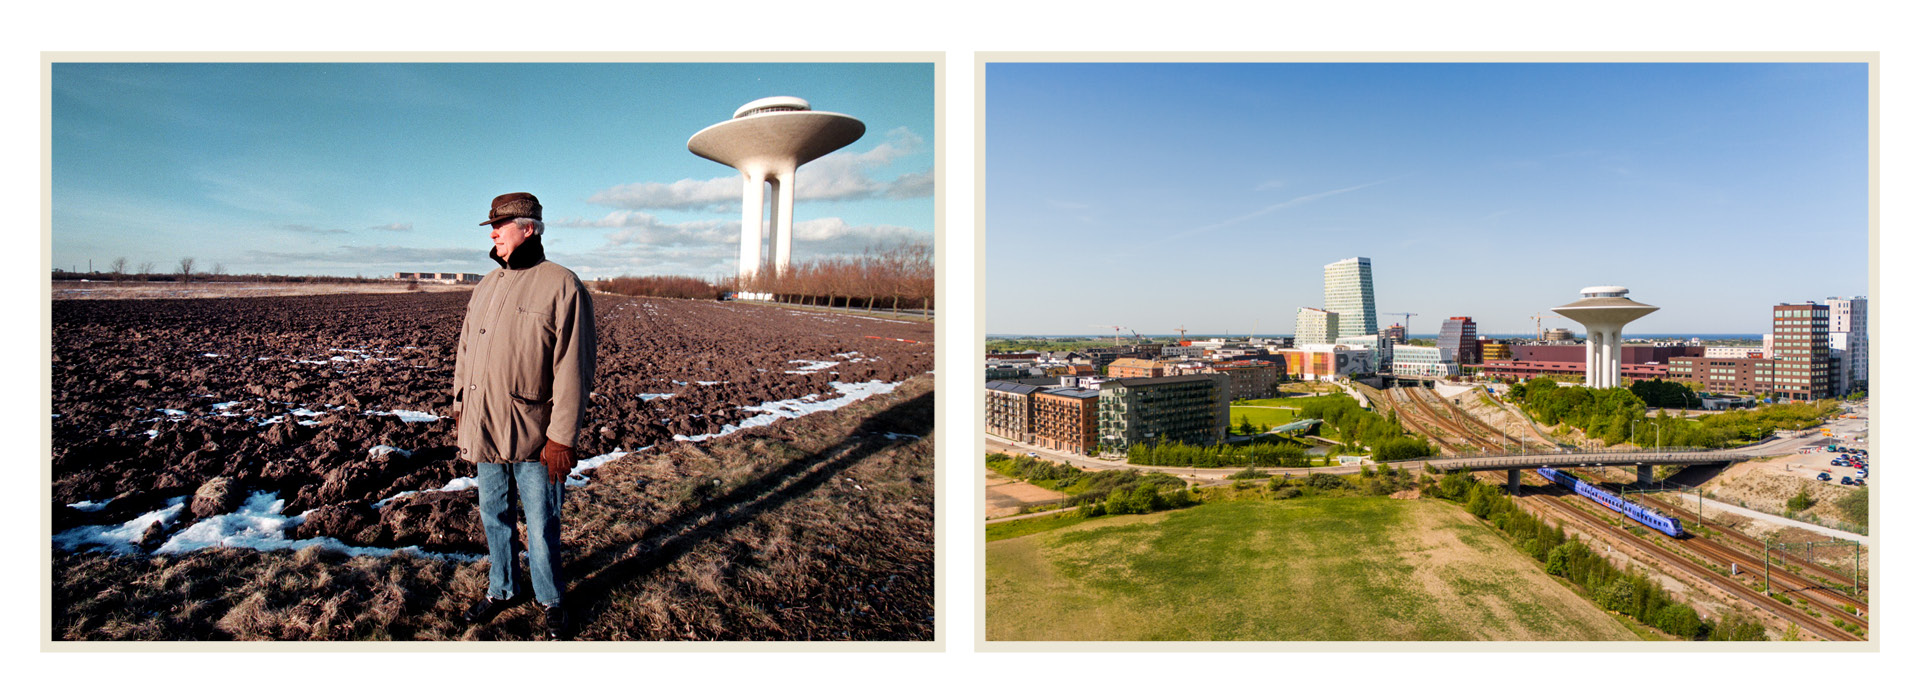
<point>558,627</point>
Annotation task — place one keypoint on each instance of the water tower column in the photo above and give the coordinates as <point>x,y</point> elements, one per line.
<point>753,214</point>
<point>783,221</point>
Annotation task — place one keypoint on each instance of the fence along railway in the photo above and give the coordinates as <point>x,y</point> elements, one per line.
<point>1573,512</point>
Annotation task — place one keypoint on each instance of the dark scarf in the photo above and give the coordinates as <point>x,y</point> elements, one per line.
<point>528,254</point>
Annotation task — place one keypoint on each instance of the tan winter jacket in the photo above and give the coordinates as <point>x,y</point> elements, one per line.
<point>525,363</point>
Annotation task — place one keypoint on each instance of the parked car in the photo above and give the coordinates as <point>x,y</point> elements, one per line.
<point>1823,476</point>
<point>1846,480</point>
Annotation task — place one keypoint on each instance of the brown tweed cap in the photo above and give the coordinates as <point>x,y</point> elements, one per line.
<point>512,205</point>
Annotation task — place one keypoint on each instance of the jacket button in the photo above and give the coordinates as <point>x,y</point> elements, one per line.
<point>483,331</point>
<point>471,387</point>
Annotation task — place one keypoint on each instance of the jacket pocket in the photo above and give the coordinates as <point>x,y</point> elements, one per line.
<point>530,419</point>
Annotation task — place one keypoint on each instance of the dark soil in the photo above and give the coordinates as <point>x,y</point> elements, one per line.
<point>135,385</point>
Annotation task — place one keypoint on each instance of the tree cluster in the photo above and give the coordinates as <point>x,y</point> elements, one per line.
<point>1178,454</point>
<point>899,276</point>
<point>1346,421</point>
<point>670,286</point>
<point>1609,415</point>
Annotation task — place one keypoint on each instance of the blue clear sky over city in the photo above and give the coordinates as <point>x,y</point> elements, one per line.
<point>1209,196</point>
<point>374,168</point>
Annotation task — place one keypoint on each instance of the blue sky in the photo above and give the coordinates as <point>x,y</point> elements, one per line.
<point>373,168</point>
<point>1154,196</point>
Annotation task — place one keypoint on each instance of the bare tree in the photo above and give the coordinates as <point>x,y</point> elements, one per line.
<point>186,267</point>
<point>146,268</point>
<point>219,269</point>
<point>119,266</point>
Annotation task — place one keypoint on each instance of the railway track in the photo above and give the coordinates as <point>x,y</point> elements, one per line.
<point>1425,412</point>
<point>1813,624</point>
<point>1418,427</point>
<point>1754,545</point>
<point>1824,599</point>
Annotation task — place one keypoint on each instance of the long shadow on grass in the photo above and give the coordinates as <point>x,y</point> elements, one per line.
<point>721,513</point>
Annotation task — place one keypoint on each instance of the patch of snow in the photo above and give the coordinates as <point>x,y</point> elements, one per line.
<point>210,354</point>
<point>810,366</point>
<point>305,412</point>
<point>153,433</point>
<point>578,477</point>
<point>900,436</point>
<point>225,406</point>
<point>171,411</point>
<point>652,397</point>
<point>122,537</point>
<point>388,449</point>
<point>309,422</point>
<point>89,506</point>
<point>260,525</point>
<point>794,408</point>
<point>407,416</point>
<point>711,383</point>
<point>458,484</point>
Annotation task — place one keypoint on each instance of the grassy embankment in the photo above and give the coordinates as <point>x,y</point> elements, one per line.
<point>1319,568</point>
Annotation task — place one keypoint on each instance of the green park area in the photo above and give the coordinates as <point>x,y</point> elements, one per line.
<point>1315,568</point>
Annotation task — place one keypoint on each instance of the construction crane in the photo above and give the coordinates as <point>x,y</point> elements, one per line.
<point>1406,319</point>
<point>1183,333</point>
<point>1538,334</point>
<point>1116,331</point>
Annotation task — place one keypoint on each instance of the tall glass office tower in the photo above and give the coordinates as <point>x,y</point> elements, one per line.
<point>1350,294</point>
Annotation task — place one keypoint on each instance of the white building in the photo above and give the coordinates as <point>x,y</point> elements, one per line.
<point>1847,322</point>
<point>1349,293</point>
<point>1315,327</point>
<point>1422,361</point>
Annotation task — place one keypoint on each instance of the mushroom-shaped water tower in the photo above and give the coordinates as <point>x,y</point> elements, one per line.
<point>767,140</point>
<point>1605,311</point>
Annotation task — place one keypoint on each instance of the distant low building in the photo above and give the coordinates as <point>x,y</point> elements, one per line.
<point>1129,367</point>
<point>438,277</point>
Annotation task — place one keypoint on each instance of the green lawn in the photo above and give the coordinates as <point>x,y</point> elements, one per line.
<point>1262,416</point>
<point>1355,568</point>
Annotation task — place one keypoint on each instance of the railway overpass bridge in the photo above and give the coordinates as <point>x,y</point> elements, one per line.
<point>1642,461</point>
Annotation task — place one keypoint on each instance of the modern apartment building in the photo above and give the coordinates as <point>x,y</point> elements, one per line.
<point>1313,326</point>
<point>1460,340</point>
<point>1010,410</point>
<point>1847,324</point>
<point>1802,359</point>
<point>1248,379</point>
<point>1495,350</point>
<point>1349,292</point>
<point>1066,419</point>
<point>1191,409</point>
<point>1734,375</point>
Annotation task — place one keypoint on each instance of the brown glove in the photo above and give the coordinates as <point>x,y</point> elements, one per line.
<point>559,460</point>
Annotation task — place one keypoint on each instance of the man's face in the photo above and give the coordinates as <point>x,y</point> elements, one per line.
<point>507,236</point>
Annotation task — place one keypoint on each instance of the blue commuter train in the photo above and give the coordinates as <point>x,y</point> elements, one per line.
<point>1645,516</point>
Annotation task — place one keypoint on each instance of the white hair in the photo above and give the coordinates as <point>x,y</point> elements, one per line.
<point>538,226</point>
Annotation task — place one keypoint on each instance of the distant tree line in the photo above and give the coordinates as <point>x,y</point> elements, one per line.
<point>899,276</point>
<point>670,286</point>
<point>189,269</point>
<point>1177,454</point>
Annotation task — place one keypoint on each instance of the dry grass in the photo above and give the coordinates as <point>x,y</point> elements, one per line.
<point>815,528</point>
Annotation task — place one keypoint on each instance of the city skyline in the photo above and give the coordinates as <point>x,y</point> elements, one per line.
<point>374,168</point>
<point>1494,191</point>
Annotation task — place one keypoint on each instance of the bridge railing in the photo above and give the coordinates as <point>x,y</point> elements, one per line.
<point>1569,456</point>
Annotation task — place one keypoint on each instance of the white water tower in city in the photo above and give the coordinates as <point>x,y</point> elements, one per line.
<point>767,140</point>
<point>1605,311</point>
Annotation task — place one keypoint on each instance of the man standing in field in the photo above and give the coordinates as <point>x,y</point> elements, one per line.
<point>521,379</point>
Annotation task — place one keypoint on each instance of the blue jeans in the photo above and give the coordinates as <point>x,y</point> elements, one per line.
<point>540,501</point>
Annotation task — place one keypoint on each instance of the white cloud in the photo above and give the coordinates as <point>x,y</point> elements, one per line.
<point>839,176</point>
<point>377,255</point>
<point>303,228</point>
<point>645,245</point>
